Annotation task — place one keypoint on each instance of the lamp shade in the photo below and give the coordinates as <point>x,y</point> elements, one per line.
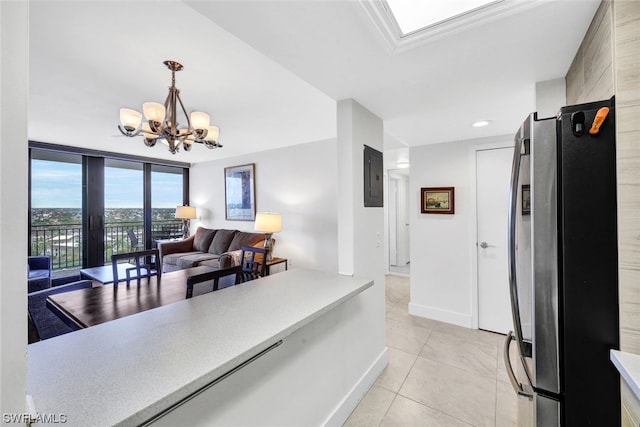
<point>268,222</point>
<point>213,134</point>
<point>130,118</point>
<point>185,212</point>
<point>153,111</point>
<point>200,120</point>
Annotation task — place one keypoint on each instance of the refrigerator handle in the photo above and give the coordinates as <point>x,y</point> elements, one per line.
<point>521,390</point>
<point>511,244</point>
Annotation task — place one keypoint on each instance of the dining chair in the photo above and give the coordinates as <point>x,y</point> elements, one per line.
<point>145,264</point>
<point>254,262</point>
<point>133,239</point>
<point>216,276</point>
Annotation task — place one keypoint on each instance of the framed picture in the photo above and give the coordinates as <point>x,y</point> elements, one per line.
<point>526,200</point>
<point>240,193</point>
<point>437,200</point>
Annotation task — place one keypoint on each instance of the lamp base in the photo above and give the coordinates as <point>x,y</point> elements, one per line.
<point>268,245</point>
<point>185,228</point>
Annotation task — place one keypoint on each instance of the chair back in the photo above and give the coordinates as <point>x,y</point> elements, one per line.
<point>144,263</point>
<point>135,243</point>
<point>214,276</point>
<point>254,262</point>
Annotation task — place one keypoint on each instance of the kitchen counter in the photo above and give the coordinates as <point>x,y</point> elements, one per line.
<point>628,364</point>
<point>127,371</point>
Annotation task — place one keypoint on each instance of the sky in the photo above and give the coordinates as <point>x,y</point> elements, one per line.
<point>59,185</point>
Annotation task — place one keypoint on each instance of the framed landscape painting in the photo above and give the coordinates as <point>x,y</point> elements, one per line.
<point>437,200</point>
<point>240,193</point>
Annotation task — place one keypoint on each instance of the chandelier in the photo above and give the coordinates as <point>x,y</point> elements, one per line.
<point>162,121</point>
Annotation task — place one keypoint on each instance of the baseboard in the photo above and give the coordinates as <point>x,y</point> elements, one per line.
<point>441,315</point>
<point>355,395</point>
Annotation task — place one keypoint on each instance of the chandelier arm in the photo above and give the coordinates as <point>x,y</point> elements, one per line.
<point>184,110</point>
<point>133,133</point>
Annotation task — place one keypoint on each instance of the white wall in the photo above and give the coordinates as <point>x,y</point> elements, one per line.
<point>13,204</point>
<point>300,182</point>
<point>551,95</point>
<point>443,246</point>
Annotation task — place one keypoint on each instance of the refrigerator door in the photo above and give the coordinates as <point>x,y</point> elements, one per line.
<point>519,243</point>
<point>533,270</point>
<point>544,255</point>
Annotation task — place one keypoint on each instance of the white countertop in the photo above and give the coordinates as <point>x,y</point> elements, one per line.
<point>628,365</point>
<point>128,370</point>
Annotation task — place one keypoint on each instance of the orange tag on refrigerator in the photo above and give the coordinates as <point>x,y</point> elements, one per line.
<point>598,120</point>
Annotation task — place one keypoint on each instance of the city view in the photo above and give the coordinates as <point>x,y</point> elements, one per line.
<point>57,232</point>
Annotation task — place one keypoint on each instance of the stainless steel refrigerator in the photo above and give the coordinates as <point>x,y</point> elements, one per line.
<point>563,267</point>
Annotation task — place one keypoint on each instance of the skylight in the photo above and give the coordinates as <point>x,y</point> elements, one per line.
<point>414,15</point>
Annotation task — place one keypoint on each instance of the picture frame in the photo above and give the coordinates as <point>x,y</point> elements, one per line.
<point>437,200</point>
<point>526,199</point>
<point>240,193</point>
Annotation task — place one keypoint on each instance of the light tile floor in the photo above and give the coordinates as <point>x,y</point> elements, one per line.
<point>438,374</point>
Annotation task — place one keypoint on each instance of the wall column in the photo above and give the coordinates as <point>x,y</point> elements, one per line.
<point>14,69</point>
<point>360,229</point>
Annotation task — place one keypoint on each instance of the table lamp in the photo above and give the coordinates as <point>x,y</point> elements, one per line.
<point>268,223</point>
<point>185,213</point>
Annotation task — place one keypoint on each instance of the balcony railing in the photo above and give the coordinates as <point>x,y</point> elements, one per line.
<point>63,242</point>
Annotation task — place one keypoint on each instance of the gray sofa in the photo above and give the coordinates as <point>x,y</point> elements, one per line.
<point>214,248</point>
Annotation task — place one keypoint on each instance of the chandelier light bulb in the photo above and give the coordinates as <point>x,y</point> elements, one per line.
<point>154,111</point>
<point>146,130</point>
<point>200,120</point>
<point>213,134</point>
<point>130,119</point>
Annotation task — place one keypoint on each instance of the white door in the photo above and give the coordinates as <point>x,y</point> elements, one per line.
<point>393,221</point>
<point>398,220</point>
<point>402,221</point>
<point>493,172</point>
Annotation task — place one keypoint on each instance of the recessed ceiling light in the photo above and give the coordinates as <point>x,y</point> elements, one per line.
<point>480,123</point>
<point>403,165</point>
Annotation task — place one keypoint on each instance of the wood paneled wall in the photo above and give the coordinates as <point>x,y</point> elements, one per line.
<point>591,75</point>
<point>627,88</point>
<point>616,26</point>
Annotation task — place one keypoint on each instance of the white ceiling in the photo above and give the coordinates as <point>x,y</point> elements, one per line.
<point>270,71</point>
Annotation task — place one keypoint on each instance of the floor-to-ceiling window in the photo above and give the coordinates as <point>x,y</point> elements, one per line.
<point>56,209</point>
<point>167,185</point>
<point>123,207</point>
<point>86,205</point>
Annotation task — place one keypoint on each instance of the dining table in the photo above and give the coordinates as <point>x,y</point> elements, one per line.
<point>92,306</point>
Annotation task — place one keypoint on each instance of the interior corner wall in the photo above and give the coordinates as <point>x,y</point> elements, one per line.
<point>551,95</point>
<point>627,88</point>
<point>300,182</point>
<point>591,74</point>
<point>13,205</point>
<point>442,245</point>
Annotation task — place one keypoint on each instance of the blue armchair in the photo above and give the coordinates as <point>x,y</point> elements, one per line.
<point>39,273</point>
<point>47,324</point>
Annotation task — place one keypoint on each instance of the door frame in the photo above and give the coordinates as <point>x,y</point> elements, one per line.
<point>506,141</point>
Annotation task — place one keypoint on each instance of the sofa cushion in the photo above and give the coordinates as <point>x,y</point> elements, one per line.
<point>221,240</point>
<point>244,238</point>
<point>202,239</point>
<point>193,260</point>
<point>213,262</point>
<point>172,259</point>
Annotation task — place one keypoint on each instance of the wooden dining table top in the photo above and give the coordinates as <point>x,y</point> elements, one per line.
<point>92,306</point>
